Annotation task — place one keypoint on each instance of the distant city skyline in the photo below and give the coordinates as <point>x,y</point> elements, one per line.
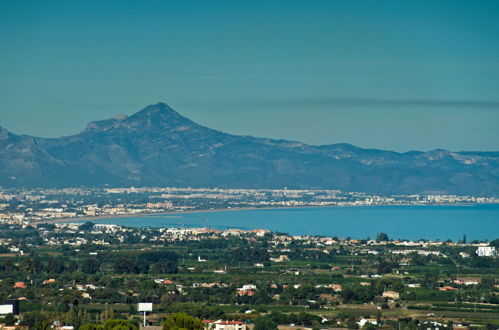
<point>384,74</point>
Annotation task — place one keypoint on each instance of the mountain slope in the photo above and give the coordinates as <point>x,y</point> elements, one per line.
<point>159,147</point>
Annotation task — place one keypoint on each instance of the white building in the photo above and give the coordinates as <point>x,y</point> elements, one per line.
<point>363,321</point>
<point>224,325</point>
<point>486,251</point>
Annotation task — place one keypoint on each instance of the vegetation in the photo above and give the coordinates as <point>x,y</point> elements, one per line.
<point>92,278</point>
<point>180,321</point>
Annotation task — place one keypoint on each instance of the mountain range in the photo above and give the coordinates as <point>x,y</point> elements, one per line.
<point>159,147</point>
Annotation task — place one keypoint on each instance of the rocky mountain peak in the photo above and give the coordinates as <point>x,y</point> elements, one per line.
<point>158,109</point>
<point>159,147</point>
<point>152,117</point>
<point>157,116</point>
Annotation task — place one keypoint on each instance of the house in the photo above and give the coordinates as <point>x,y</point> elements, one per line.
<point>13,327</point>
<point>248,293</point>
<point>260,232</point>
<point>447,288</point>
<point>49,281</point>
<point>224,325</point>
<point>391,295</point>
<point>486,251</point>
<point>281,258</point>
<point>336,287</point>
<point>363,321</point>
<point>20,285</point>
<point>467,280</point>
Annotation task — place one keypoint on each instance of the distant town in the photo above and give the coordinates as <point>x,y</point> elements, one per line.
<point>20,206</point>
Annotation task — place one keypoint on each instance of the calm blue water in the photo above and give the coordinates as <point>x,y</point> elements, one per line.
<point>410,222</point>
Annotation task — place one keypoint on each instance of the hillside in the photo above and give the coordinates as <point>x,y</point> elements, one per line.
<point>158,147</point>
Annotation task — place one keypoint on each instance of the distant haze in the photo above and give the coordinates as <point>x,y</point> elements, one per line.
<point>391,75</point>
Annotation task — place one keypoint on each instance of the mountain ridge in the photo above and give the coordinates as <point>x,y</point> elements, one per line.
<point>159,146</point>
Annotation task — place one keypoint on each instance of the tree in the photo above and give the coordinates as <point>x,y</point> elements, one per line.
<point>32,319</point>
<point>352,324</point>
<point>265,323</point>
<point>9,319</point>
<point>55,265</point>
<point>32,265</point>
<point>164,266</point>
<point>90,266</point>
<point>124,265</point>
<point>250,255</point>
<point>177,321</point>
<point>91,327</point>
<point>198,310</point>
<point>118,325</point>
<point>382,237</point>
<point>164,262</point>
<point>348,295</point>
<point>73,266</point>
<point>384,267</point>
<point>86,226</point>
<point>42,325</point>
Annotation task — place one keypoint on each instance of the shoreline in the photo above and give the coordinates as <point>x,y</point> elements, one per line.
<point>114,216</point>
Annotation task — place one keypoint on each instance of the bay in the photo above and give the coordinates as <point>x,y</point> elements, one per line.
<point>477,222</point>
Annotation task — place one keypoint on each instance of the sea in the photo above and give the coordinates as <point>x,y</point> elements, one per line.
<point>412,222</point>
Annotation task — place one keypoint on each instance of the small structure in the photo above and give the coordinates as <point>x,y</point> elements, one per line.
<point>467,280</point>
<point>281,258</point>
<point>486,251</point>
<point>336,287</point>
<point>144,307</point>
<point>447,288</point>
<point>224,325</point>
<point>394,295</point>
<point>248,293</point>
<point>9,307</point>
<point>364,321</point>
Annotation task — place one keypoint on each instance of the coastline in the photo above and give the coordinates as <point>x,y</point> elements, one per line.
<point>114,216</point>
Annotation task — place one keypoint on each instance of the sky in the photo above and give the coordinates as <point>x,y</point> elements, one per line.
<point>396,75</point>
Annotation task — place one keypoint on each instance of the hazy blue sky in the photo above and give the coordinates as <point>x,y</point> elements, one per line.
<point>397,75</point>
